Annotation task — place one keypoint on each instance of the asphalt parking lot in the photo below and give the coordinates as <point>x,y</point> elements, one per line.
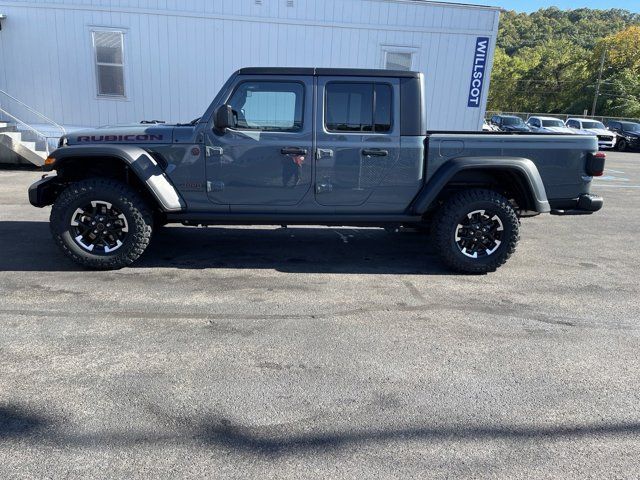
<point>323,353</point>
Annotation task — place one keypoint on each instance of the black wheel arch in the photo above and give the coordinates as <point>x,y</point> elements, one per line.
<point>509,183</point>
<point>131,165</point>
<point>75,169</point>
<point>515,178</point>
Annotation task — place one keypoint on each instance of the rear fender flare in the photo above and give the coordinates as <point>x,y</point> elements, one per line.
<point>138,160</point>
<point>523,167</point>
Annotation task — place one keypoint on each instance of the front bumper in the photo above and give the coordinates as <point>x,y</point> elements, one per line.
<point>43,192</point>
<point>586,204</point>
<point>607,143</point>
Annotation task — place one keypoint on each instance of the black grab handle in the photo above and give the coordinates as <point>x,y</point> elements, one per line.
<point>375,152</point>
<point>293,151</point>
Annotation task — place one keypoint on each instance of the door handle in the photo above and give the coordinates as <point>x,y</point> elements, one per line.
<point>214,151</point>
<point>324,153</point>
<point>293,151</point>
<point>374,152</point>
<point>215,186</point>
<point>324,187</point>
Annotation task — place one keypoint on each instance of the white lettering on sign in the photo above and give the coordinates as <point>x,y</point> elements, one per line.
<point>478,73</point>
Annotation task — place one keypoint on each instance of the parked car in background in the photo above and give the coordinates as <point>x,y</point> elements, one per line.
<point>547,125</point>
<point>585,126</point>
<point>488,127</point>
<point>628,134</point>
<point>509,123</point>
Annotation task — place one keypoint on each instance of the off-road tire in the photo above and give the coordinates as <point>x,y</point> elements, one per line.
<point>454,210</point>
<point>138,215</point>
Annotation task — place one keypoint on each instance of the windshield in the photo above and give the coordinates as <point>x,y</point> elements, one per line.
<point>590,125</point>
<point>552,123</point>
<point>631,127</point>
<point>512,121</point>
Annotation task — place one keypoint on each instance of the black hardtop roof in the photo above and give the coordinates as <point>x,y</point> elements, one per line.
<point>331,72</point>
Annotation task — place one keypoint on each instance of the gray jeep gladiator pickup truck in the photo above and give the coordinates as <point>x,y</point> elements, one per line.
<point>305,146</point>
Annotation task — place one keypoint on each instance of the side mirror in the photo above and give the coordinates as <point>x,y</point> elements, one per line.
<point>223,118</point>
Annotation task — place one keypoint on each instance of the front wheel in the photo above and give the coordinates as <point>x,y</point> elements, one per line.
<point>476,231</point>
<point>101,224</point>
<point>621,146</point>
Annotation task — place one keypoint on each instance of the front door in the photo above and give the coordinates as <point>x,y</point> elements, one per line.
<point>358,137</point>
<point>265,158</point>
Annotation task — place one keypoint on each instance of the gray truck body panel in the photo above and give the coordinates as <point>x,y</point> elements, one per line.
<point>198,173</point>
<point>559,159</point>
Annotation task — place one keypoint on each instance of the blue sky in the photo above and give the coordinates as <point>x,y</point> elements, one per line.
<point>533,5</point>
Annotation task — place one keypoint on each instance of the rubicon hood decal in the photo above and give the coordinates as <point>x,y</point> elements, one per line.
<point>123,134</point>
<point>119,138</point>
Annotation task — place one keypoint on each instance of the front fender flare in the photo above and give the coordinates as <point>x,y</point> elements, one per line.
<point>522,166</point>
<point>141,163</point>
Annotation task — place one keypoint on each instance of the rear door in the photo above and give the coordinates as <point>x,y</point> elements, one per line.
<point>264,158</point>
<point>358,137</point>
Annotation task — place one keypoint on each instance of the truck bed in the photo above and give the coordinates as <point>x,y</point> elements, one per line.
<point>561,159</point>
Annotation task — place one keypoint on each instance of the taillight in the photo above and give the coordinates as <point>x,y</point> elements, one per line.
<point>595,164</point>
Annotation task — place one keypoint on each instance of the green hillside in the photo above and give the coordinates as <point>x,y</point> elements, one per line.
<point>549,61</point>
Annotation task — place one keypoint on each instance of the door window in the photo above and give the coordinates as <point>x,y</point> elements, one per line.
<point>358,107</point>
<point>268,106</point>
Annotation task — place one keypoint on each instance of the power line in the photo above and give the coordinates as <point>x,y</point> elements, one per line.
<point>595,98</point>
<point>535,81</point>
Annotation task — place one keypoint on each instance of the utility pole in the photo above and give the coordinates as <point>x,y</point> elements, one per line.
<point>595,99</point>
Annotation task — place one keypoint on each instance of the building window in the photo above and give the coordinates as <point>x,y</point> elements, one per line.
<point>268,106</point>
<point>399,61</point>
<point>398,58</point>
<point>108,46</point>
<point>358,107</point>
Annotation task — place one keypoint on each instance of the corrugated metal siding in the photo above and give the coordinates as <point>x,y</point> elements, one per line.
<point>178,53</point>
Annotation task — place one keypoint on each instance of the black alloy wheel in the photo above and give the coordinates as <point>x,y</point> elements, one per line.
<point>99,227</point>
<point>479,234</point>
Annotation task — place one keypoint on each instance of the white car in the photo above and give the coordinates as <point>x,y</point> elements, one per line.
<point>585,126</point>
<point>487,127</point>
<point>548,125</point>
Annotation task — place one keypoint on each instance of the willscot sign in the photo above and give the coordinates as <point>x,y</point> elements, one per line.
<point>479,72</point>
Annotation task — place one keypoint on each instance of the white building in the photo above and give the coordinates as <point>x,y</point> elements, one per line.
<point>99,62</point>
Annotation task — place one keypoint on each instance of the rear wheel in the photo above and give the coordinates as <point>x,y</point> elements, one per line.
<point>101,224</point>
<point>476,231</point>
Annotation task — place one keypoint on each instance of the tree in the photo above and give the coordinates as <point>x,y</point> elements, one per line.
<point>620,89</point>
<point>548,61</point>
<point>545,78</point>
<point>622,94</point>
